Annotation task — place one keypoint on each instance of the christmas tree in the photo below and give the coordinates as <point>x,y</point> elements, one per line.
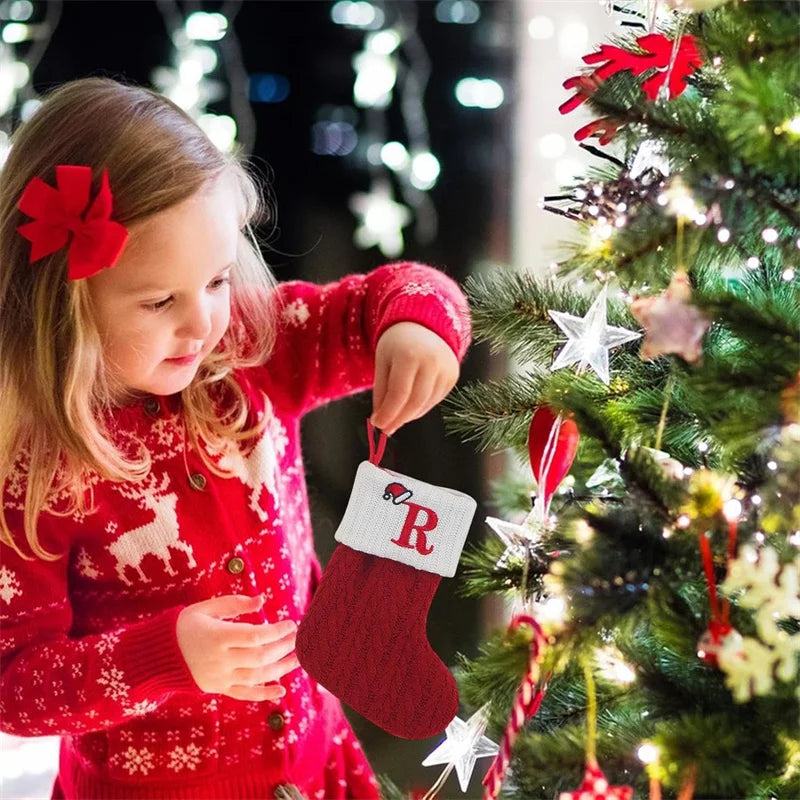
<point>655,638</point>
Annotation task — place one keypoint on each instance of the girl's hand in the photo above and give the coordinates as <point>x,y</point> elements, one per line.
<point>414,370</point>
<point>236,658</point>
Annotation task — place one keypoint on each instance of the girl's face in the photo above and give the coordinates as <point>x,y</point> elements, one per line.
<point>169,294</point>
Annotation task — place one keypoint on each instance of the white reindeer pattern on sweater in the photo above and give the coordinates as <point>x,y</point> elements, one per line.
<point>156,537</point>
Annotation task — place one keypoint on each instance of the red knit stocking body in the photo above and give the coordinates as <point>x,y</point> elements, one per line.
<point>363,637</point>
<point>364,640</point>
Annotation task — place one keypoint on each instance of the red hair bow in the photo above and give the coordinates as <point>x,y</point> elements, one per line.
<point>97,241</point>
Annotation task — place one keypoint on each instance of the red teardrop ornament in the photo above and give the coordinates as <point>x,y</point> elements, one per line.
<point>552,444</point>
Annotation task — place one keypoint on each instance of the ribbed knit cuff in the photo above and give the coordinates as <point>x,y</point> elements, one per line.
<point>151,658</point>
<point>407,520</point>
<point>426,310</point>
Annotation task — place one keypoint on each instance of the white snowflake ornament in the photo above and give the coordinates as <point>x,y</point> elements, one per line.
<point>771,590</point>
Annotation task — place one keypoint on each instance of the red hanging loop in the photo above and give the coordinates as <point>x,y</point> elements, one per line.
<point>708,567</point>
<point>732,536</point>
<point>375,456</point>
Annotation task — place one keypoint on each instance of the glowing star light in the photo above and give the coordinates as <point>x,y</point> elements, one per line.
<point>589,338</point>
<point>464,744</point>
<point>381,220</point>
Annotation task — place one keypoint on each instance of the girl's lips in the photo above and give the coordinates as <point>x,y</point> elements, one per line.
<point>183,360</point>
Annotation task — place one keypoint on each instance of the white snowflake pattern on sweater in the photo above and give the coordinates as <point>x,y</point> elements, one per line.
<point>9,585</point>
<point>184,758</point>
<point>115,686</point>
<point>133,760</point>
<point>140,708</point>
<point>85,565</point>
<point>296,313</point>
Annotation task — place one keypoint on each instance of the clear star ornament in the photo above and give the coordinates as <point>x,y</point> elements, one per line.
<point>590,338</point>
<point>517,539</point>
<point>465,743</point>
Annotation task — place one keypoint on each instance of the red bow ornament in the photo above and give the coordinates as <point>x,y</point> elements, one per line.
<point>656,54</point>
<point>97,241</point>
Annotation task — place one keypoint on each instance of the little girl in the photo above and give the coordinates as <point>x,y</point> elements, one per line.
<point>157,552</point>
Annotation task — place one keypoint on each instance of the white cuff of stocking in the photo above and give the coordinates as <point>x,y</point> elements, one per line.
<point>400,518</point>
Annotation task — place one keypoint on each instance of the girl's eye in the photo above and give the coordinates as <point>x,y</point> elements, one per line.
<point>218,283</point>
<point>156,306</point>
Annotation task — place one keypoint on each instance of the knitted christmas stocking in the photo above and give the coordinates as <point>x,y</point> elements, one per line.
<point>363,637</point>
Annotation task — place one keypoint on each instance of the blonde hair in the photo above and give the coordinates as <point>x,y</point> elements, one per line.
<point>54,386</point>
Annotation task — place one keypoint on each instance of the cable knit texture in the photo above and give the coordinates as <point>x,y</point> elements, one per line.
<point>364,639</point>
<point>89,650</point>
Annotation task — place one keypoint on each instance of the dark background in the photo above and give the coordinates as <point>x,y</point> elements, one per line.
<point>312,238</point>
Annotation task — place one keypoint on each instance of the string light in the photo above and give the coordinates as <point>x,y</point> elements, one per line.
<point>723,235</point>
<point>204,26</point>
<point>376,74</point>
<point>647,753</point>
<point>425,169</point>
<point>541,27</point>
<point>461,12</point>
<point>583,531</point>
<point>732,509</point>
<point>552,145</point>
<point>769,235</point>
<point>551,612</point>
<point>393,61</point>
<point>679,200</point>
<point>18,98</point>
<point>612,666</point>
<point>753,262</point>
<point>357,14</point>
<point>788,274</point>
<point>483,93</point>
<point>188,82</point>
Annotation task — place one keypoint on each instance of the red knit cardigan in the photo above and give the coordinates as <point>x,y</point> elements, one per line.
<point>88,645</point>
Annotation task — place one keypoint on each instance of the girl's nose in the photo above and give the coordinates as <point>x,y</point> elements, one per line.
<point>197,323</point>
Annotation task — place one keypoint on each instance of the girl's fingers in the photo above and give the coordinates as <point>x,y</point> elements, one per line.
<point>243,634</point>
<point>418,403</point>
<point>444,385</point>
<point>255,694</point>
<point>266,674</point>
<point>228,606</point>
<point>380,385</point>
<point>399,387</point>
<point>253,657</point>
